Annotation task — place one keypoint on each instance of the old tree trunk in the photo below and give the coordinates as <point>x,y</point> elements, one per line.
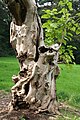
<point>35,84</point>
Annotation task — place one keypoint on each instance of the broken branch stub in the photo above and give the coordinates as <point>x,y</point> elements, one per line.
<point>35,85</point>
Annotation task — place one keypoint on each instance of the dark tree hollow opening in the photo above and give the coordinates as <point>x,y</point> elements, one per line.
<point>18,10</point>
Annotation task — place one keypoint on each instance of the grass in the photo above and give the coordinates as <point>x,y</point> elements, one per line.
<point>68,82</point>
<point>8,67</point>
<point>67,115</point>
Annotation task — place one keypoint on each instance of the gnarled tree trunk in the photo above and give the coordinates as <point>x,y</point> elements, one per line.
<point>35,85</point>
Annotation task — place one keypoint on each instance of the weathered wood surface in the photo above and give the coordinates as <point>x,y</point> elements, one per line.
<point>35,85</point>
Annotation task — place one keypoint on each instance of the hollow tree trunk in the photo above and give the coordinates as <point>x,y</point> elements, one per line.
<point>35,85</point>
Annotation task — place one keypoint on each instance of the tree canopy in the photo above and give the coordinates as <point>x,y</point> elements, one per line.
<point>5,48</point>
<point>62,25</point>
<point>72,29</point>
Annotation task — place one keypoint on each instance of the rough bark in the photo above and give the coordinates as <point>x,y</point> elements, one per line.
<point>35,85</point>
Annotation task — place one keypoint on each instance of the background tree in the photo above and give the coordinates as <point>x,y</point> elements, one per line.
<point>42,4</point>
<point>62,26</point>
<point>76,37</point>
<point>5,47</point>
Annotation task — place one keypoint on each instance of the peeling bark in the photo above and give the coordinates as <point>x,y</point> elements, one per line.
<point>35,85</point>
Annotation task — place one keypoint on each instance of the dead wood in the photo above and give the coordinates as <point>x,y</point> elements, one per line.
<point>35,85</point>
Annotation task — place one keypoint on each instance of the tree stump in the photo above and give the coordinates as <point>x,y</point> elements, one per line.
<point>35,85</point>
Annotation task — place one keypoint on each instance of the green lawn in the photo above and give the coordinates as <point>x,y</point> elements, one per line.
<point>8,67</point>
<point>68,82</point>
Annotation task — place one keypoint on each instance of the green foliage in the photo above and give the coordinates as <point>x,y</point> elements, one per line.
<point>22,118</point>
<point>60,26</point>
<point>5,48</point>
